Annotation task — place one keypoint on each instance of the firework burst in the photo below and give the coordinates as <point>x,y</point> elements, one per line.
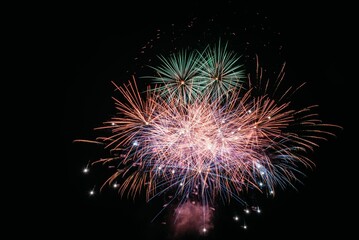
<point>200,135</point>
<point>177,76</point>
<point>220,71</point>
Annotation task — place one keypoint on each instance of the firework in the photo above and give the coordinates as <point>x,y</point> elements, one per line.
<point>177,76</point>
<point>201,135</point>
<point>207,147</point>
<point>220,71</point>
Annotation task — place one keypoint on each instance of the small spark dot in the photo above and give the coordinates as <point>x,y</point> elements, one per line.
<point>236,218</point>
<point>271,192</point>
<point>249,111</point>
<point>135,143</point>
<point>261,184</point>
<point>85,170</point>
<point>245,226</point>
<point>115,185</point>
<point>173,171</point>
<point>204,230</point>
<point>269,117</point>
<point>246,211</point>
<point>92,192</point>
<point>181,184</point>
<point>258,210</point>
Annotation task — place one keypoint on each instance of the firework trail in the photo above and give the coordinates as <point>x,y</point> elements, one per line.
<point>203,133</point>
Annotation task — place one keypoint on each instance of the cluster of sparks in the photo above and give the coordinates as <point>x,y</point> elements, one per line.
<point>202,133</point>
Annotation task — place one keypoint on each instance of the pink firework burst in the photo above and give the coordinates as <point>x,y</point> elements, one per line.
<point>208,148</point>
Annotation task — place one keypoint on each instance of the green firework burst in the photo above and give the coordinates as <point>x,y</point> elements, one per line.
<point>176,76</point>
<point>220,71</point>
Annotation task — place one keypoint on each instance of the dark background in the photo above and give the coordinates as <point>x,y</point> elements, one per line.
<point>314,42</point>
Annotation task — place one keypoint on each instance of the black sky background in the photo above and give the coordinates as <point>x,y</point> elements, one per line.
<point>102,47</point>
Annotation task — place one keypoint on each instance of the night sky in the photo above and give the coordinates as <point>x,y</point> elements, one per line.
<point>107,47</point>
